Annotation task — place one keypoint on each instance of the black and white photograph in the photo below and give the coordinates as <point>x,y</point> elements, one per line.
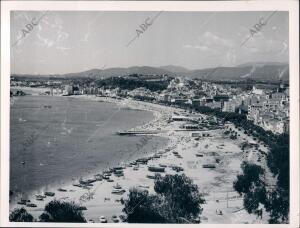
<point>178,113</point>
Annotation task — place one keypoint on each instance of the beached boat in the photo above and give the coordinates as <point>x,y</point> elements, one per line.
<point>118,191</point>
<point>77,185</point>
<point>117,186</point>
<point>142,160</point>
<point>144,186</point>
<point>88,181</point>
<point>39,195</point>
<point>23,202</point>
<point>62,190</point>
<point>39,198</point>
<point>105,177</point>
<point>98,177</point>
<point>31,205</point>
<point>178,156</point>
<point>156,156</point>
<point>211,166</point>
<point>49,194</point>
<point>107,174</point>
<point>156,169</point>
<point>118,171</point>
<point>119,174</point>
<point>177,168</point>
<point>150,176</point>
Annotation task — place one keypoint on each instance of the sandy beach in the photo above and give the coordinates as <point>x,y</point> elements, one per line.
<point>182,150</point>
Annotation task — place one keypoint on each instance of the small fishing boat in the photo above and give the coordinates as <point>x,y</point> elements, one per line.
<point>211,166</point>
<point>156,169</point>
<point>177,168</point>
<point>77,185</point>
<point>150,176</point>
<point>49,194</point>
<point>142,160</point>
<point>39,195</point>
<point>98,177</point>
<point>119,174</point>
<point>107,174</point>
<point>117,168</point>
<point>22,202</point>
<point>31,205</point>
<point>118,191</point>
<point>144,186</point>
<point>105,177</point>
<point>156,156</point>
<point>178,156</point>
<point>118,171</point>
<point>40,198</point>
<point>117,186</point>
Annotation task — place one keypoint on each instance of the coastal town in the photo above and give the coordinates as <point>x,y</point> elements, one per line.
<point>167,114</point>
<point>202,143</point>
<point>264,104</point>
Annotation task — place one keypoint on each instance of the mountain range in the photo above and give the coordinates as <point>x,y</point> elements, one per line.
<point>264,71</point>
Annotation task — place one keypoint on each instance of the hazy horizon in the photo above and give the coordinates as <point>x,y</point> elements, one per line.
<point>75,41</point>
<point>104,68</point>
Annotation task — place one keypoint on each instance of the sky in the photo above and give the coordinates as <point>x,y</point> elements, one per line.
<point>74,41</point>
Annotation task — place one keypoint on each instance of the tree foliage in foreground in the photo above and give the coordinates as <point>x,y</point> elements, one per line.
<point>251,185</point>
<point>57,211</point>
<point>20,215</point>
<point>275,200</point>
<point>177,200</point>
<point>278,206</point>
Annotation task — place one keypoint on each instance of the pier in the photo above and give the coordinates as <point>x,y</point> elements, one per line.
<point>153,132</point>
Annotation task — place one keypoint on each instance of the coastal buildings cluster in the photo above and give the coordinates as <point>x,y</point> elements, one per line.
<point>266,105</point>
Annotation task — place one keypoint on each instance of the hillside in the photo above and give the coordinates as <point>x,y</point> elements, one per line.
<point>254,71</point>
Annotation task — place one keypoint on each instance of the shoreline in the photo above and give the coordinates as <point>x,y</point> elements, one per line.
<point>215,184</point>
<point>148,144</point>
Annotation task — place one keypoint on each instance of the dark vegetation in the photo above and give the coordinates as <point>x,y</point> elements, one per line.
<point>20,215</point>
<point>55,211</point>
<point>177,200</point>
<point>132,83</point>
